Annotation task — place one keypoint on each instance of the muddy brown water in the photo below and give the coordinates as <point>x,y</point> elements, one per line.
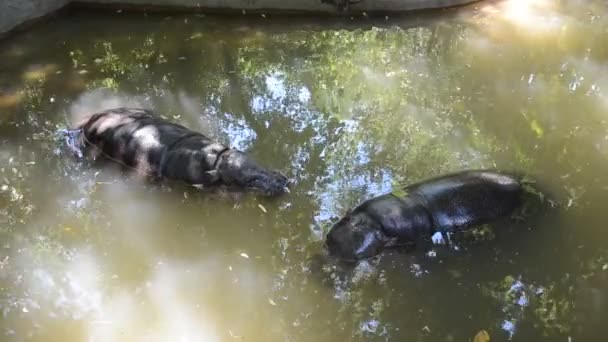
<point>347,109</point>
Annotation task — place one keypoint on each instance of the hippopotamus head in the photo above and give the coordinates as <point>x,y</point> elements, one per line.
<point>356,236</point>
<point>236,168</point>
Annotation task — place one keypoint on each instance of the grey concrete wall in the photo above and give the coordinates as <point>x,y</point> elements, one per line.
<point>17,12</point>
<point>316,6</point>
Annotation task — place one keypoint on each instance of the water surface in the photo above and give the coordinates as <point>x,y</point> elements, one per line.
<point>347,109</point>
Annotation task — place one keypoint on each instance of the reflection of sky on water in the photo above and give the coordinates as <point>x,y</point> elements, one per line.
<point>294,104</point>
<point>240,135</point>
<point>79,290</point>
<point>515,301</point>
<point>329,197</point>
<point>276,86</point>
<point>290,102</point>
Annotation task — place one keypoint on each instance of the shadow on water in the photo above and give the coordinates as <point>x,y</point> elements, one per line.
<point>348,112</point>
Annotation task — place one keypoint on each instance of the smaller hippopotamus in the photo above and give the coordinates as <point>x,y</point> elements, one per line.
<point>152,146</point>
<point>444,204</point>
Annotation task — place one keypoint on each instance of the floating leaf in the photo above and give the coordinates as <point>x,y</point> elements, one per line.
<point>196,36</point>
<point>537,129</point>
<point>482,336</point>
<point>399,192</point>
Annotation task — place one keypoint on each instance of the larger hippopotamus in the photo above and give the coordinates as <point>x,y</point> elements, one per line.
<point>153,146</point>
<point>448,203</point>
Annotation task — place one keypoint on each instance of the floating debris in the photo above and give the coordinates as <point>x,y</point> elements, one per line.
<point>272,302</point>
<point>197,35</point>
<point>262,208</point>
<point>370,326</point>
<point>438,239</point>
<point>482,336</point>
<point>244,255</point>
<point>233,335</point>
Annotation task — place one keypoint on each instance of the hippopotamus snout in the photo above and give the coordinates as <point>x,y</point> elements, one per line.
<point>237,168</point>
<point>355,237</point>
<point>270,183</point>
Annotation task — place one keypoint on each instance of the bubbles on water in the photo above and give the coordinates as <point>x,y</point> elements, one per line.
<point>77,205</point>
<point>363,271</point>
<point>417,270</point>
<point>575,83</point>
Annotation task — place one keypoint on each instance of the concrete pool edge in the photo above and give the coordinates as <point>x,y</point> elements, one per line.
<point>18,14</point>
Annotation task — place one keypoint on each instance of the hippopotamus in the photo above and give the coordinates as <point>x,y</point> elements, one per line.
<point>152,146</point>
<point>444,204</point>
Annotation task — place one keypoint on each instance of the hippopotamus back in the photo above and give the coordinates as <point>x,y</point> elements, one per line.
<point>467,198</point>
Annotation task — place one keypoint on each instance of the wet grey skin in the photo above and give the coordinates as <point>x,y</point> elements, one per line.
<point>449,203</point>
<point>152,146</point>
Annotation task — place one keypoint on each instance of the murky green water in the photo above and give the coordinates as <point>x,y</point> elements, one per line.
<point>348,110</point>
